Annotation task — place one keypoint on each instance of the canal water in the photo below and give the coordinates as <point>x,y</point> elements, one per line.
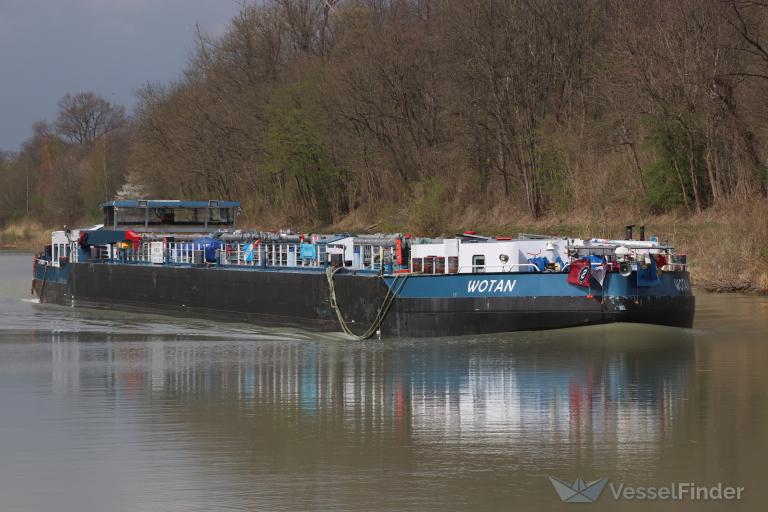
<point>113,411</point>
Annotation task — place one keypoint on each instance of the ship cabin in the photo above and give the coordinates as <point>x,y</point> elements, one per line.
<point>470,253</point>
<point>152,216</point>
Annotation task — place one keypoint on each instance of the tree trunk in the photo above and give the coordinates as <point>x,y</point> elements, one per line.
<point>712,174</point>
<point>682,186</point>
<point>692,171</point>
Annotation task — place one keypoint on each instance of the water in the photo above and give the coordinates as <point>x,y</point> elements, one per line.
<point>111,411</point>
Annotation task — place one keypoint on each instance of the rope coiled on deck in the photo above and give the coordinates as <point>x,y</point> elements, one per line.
<point>392,292</point>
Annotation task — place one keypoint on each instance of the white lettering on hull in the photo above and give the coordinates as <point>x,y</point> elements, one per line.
<point>491,285</point>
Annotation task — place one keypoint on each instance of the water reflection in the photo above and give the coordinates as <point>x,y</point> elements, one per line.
<point>566,387</point>
<point>369,418</point>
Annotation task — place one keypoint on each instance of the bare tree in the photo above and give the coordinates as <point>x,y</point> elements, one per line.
<point>85,116</point>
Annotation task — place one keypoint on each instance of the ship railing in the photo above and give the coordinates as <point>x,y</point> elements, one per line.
<point>175,252</point>
<point>507,267</point>
<point>184,253</point>
<point>373,256</point>
<point>480,269</point>
<point>244,254</point>
<point>74,253</point>
<point>265,254</point>
<point>138,254</point>
<point>282,254</point>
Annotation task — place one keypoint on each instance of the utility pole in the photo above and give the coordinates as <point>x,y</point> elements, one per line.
<point>26,187</point>
<point>104,166</point>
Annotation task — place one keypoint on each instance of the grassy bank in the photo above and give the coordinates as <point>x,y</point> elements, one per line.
<point>24,235</point>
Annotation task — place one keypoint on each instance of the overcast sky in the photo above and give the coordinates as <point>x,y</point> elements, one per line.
<point>51,47</point>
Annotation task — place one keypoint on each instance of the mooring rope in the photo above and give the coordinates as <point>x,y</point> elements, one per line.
<point>391,295</point>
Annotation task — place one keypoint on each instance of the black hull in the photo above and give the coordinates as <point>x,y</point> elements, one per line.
<point>302,299</point>
<point>460,316</point>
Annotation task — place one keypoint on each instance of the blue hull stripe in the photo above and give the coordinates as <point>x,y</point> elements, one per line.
<point>673,284</point>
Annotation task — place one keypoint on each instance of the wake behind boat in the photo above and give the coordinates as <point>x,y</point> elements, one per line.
<point>187,257</point>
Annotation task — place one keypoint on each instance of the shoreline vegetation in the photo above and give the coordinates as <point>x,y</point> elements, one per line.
<point>24,235</point>
<point>569,117</point>
<point>727,249</point>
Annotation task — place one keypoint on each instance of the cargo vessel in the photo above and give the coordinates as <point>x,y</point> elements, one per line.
<point>189,258</point>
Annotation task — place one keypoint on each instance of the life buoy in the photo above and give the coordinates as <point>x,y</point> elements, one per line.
<point>399,251</point>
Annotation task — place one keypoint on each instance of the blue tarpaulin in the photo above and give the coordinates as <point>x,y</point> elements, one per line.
<point>646,275</point>
<point>249,251</point>
<point>308,251</point>
<point>540,261</point>
<point>211,245</point>
<point>208,244</point>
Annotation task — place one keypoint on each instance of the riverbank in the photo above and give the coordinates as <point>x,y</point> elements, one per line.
<point>24,235</point>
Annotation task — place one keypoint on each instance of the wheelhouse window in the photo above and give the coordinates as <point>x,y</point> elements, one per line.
<point>221,216</point>
<point>478,263</point>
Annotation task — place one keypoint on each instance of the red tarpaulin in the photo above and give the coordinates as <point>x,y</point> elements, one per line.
<point>579,273</point>
<point>133,238</point>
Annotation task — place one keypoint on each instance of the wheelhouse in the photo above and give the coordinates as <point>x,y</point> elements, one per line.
<point>170,215</point>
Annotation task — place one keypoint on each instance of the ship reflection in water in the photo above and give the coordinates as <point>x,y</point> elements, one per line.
<point>618,389</point>
<point>429,424</point>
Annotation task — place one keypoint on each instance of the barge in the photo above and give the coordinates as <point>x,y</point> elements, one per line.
<point>189,258</point>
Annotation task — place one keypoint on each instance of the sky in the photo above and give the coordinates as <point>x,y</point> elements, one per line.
<point>112,47</point>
